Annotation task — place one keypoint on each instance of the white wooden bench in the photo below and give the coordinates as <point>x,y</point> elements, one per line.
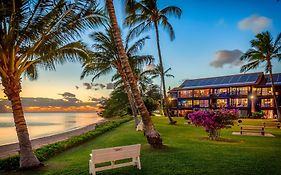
<point>271,125</point>
<point>252,129</point>
<point>111,155</point>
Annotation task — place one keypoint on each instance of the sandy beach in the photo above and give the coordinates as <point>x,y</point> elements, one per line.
<point>13,148</point>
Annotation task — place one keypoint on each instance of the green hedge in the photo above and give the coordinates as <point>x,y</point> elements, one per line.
<point>50,150</point>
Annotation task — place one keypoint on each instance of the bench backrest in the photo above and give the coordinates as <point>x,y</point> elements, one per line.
<point>115,153</point>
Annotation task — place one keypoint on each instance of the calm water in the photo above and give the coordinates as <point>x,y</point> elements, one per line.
<point>43,124</point>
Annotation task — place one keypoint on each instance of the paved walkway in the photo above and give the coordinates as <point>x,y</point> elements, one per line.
<point>12,149</point>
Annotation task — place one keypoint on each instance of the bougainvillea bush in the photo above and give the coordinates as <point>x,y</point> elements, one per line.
<point>214,120</point>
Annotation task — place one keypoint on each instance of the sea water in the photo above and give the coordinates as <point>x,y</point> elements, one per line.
<point>44,124</point>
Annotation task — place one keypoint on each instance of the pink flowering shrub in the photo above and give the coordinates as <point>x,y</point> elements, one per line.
<point>214,120</point>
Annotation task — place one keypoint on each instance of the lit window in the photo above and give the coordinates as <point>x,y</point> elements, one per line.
<point>221,103</point>
<point>268,102</point>
<point>267,91</point>
<point>204,103</point>
<point>239,102</point>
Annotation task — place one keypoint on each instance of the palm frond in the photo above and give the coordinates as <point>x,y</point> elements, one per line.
<point>171,11</point>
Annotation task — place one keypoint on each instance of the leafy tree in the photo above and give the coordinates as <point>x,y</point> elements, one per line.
<point>144,15</point>
<point>264,50</point>
<point>117,104</point>
<point>36,34</point>
<point>152,135</point>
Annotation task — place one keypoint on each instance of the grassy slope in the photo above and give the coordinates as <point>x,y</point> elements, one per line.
<point>188,152</point>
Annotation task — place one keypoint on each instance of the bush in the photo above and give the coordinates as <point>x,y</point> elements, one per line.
<point>51,150</point>
<point>213,121</point>
<point>258,115</point>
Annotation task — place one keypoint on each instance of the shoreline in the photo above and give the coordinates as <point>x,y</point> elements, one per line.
<point>12,149</point>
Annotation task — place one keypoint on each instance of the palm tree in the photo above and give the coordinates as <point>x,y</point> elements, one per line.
<point>105,59</point>
<point>156,72</point>
<point>39,34</point>
<point>152,135</point>
<point>263,50</point>
<point>144,15</point>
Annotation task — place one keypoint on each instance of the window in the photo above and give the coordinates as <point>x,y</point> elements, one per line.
<point>221,103</point>
<point>242,90</point>
<point>188,104</point>
<point>186,93</point>
<point>239,102</point>
<point>257,91</point>
<point>221,91</point>
<point>233,91</point>
<point>239,90</point>
<point>267,91</point>
<point>204,103</point>
<point>196,103</point>
<point>268,102</point>
<point>201,93</point>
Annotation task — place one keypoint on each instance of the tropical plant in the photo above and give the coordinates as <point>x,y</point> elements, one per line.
<point>117,104</point>
<point>39,34</point>
<point>263,51</point>
<point>143,15</point>
<point>152,135</point>
<point>105,59</point>
<point>155,73</point>
<point>214,121</point>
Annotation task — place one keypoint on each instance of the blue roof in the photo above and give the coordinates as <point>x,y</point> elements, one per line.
<point>276,79</point>
<point>223,81</point>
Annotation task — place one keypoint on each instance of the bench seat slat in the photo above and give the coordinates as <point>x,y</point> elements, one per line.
<point>115,166</point>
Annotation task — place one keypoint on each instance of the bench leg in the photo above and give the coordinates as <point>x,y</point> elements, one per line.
<point>138,163</point>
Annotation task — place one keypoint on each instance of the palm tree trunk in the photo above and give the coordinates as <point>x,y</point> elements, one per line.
<point>12,89</point>
<point>273,91</point>
<point>130,97</point>
<point>152,135</point>
<point>162,76</point>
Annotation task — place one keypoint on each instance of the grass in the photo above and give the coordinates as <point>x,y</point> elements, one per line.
<point>187,152</point>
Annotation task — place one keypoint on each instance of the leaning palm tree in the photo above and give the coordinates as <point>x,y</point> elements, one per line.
<point>39,34</point>
<point>152,135</point>
<point>105,59</point>
<point>144,15</point>
<point>263,51</point>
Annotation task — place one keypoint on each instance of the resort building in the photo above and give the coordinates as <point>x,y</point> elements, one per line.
<point>249,93</point>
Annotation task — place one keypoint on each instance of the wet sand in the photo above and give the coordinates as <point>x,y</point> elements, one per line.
<point>13,148</point>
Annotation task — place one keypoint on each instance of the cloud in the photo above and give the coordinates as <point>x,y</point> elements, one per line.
<point>109,86</point>
<point>230,57</point>
<point>70,97</point>
<point>51,105</point>
<point>255,23</point>
<point>87,85</point>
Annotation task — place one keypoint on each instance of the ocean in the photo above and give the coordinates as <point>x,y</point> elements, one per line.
<point>44,124</point>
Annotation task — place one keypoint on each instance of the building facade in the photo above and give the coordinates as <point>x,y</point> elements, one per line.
<point>249,93</point>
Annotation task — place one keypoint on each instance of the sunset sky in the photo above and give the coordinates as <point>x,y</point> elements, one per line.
<point>210,37</point>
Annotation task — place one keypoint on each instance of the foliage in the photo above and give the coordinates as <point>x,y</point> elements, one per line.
<point>151,104</point>
<point>117,104</point>
<point>258,115</point>
<point>51,150</point>
<point>214,120</point>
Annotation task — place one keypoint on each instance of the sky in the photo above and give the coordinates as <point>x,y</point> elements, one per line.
<point>210,37</point>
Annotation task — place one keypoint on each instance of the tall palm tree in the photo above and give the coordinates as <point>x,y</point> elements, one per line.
<point>143,15</point>
<point>152,135</point>
<point>263,51</point>
<point>105,59</point>
<point>156,72</point>
<point>37,34</point>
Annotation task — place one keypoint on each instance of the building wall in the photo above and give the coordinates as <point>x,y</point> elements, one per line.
<point>247,99</point>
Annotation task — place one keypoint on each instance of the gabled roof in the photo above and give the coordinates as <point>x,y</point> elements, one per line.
<point>223,81</point>
<point>276,79</point>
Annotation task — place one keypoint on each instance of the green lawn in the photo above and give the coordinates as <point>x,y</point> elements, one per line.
<point>187,152</point>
